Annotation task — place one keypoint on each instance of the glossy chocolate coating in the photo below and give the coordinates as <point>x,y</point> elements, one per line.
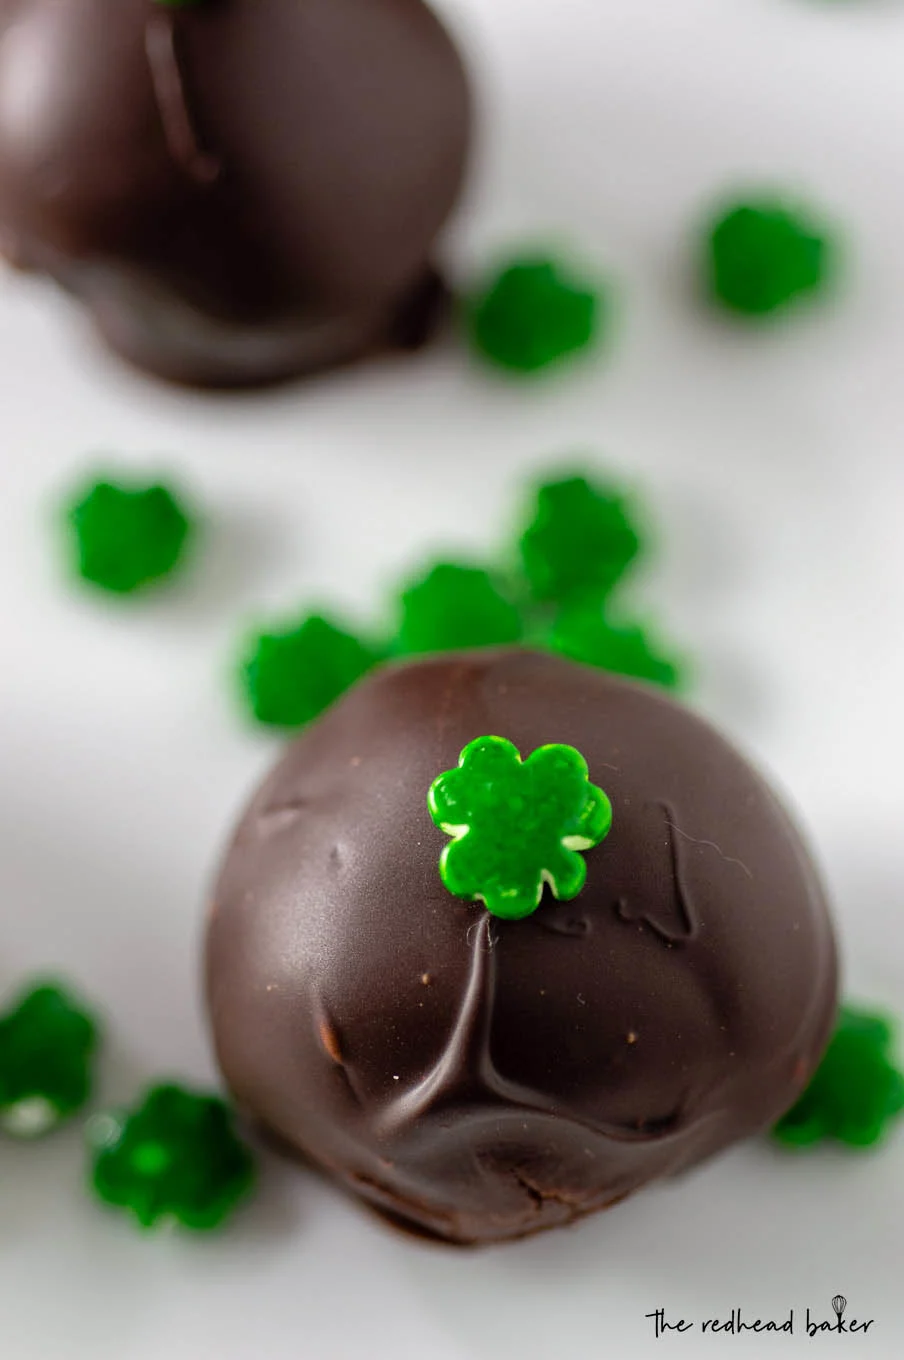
<point>485,1079</point>
<point>237,190</point>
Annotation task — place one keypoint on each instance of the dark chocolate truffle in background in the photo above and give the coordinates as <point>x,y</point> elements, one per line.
<point>483,1079</point>
<point>237,190</point>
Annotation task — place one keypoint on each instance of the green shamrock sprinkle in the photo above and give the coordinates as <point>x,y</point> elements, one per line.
<point>763,255</point>
<point>516,825</point>
<point>289,677</point>
<point>580,542</point>
<point>47,1042</point>
<point>176,1156</point>
<point>531,315</point>
<point>125,537</point>
<point>857,1090</point>
<point>454,607</point>
<point>583,633</point>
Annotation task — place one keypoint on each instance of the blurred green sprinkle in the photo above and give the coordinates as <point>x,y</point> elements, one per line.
<point>763,255</point>
<point>47,1043</point>
<point>453,607</point>
<point>289,677</point>
<point>580,541</point>
<point>584,633</point>
<point>532,314</point>
<point>123,537</point>
<point>857,1091</point>
<point>580,537</point>
<point>175,1156</point>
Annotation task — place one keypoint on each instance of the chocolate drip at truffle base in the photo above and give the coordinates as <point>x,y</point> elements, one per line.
<point>484,1079</point>
<point>239,190</point>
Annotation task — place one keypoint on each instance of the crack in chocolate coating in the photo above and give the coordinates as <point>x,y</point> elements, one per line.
<point>547,1067</point>
<point>238,191</point>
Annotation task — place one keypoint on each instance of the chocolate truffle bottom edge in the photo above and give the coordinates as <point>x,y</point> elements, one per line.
<point>172,343</point>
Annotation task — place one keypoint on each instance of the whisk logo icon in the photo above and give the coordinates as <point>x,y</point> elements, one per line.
<point>839,1306</point>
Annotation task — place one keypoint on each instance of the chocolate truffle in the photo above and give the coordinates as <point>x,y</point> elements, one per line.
<point>479,1078</point>
<point>237,190</point>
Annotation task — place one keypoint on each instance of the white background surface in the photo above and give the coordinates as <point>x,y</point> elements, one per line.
<point>772,463</point>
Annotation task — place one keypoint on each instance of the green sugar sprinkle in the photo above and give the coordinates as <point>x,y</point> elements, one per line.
<point>175,1156</point>
<point>857,1091</point>
<point>517,825</point>
<point>123,537</point>
<point>532,314</point>
<point>290,676</point>
<point>453,607</point>
<point>763,255</point>
<point>580,541</point>
<point>47,1043</point>
<point>584,633</point>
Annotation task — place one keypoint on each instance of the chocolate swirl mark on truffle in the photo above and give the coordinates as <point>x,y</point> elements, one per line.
<point>565,923</point>
<point>685,924</point>
<point>464,1063</point>
<point>172,102</point>
<point>331,1043</point>
<point>464,1071</point>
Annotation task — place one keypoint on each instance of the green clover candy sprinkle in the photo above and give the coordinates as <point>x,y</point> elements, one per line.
<point>534,313</point>
<point>764,255</point>
<point>290,674</point>
<point>516,825</point>
<point>580,542</point>
<point>47,1043</point>
<point>175,1156</point>
<point>584,633</point>
<point>123,537</point>
<point>857,1091</point>
<point>453,607</point>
